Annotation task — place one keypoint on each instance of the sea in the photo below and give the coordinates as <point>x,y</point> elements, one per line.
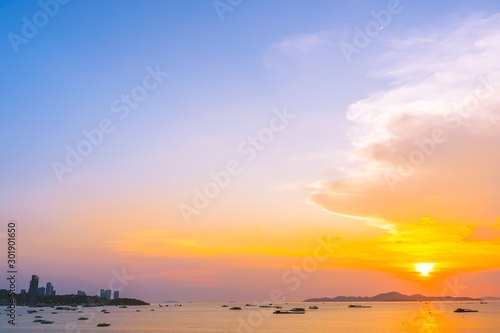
<point>212,317</point>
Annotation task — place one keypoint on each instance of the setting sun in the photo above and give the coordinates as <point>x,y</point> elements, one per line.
<point>424,268</point>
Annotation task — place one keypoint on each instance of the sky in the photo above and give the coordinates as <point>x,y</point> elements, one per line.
<point>210,151</point>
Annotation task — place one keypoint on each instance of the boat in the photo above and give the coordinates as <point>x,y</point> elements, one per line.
<point>137,310</point>
<point>225,306</point>
<point>235,308</point>
<point>124,307</point>
<point>359,306</point>
<point>38,316</point>
<point>464,310</point>
<point>103,325</point>
<point>484,302</point>
<point>29,311</point>
<point>37,320</point>
<point>152,309</point>
<point>83,318</point>
<point>54,312</point>
<point>291,311</point>
<point>313,307</point>
<point>46,322</point>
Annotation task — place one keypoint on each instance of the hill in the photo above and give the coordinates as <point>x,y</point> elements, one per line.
<point>391,297</point>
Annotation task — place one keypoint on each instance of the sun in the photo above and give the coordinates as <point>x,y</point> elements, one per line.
<point>424,268</point>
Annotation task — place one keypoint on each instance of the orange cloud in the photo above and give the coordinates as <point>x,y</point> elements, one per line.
<point>426,157</point>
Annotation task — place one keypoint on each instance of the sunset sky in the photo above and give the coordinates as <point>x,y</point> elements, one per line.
<point>211,152</point>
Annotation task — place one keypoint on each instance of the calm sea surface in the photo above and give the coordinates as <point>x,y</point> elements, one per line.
<point>330,317</point>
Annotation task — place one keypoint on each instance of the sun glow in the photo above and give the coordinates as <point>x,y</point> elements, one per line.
<point>424,268</point>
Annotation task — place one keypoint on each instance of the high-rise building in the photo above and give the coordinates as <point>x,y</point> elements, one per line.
<point>23,297</point>
<point>33,290</point>
<point>103,295</point>
<point>81,293</point>
<point>41,291</point>
<point>108,294</point>
<point>48,289</point>
<point>116,294</point>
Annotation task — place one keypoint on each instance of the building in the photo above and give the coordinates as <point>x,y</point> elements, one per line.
<point>41,291</point>
<point>81,293</point>
<point>23,297</point>
<point>102,294</point>
<point>33,290</point>
<point>108,294</point>
<point>116,294</point>
<point>49,289</point>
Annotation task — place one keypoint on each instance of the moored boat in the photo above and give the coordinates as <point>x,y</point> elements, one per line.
<point>464,310</point>
<point>359,306</point>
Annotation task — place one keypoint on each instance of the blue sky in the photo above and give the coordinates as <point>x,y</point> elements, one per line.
<point>225,78</point>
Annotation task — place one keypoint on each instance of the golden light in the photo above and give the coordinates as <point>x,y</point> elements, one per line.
<point>424,268</point>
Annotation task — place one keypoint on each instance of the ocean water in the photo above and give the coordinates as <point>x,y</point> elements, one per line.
<point>330,317</point>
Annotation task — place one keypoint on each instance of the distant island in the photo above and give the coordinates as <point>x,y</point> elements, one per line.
<point>392,297</point>
<point>490,298</point>
<point>170,302</point>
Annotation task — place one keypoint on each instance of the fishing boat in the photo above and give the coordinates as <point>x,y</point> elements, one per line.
<point>359,306</point>
<point>46,322</point>
<point>313,307</point>
<point>235,308</point>
<point>83,318</point>
<point>103,325</point>
<point>291,311</point>
<point>464,310</point>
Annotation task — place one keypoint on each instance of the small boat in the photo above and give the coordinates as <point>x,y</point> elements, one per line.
<point>29,311</point>
<point>124,307</point>
<point>249,305</point>
<point>313,307</point>
<point>137,310</point>
<point>359,306</point>
<point>225,306</point>
<point>291,311</point>
<point>465,310</point>
<point>46,322</point>
<point>152,309</point>
<point>103,325</point>
<point>37,320</point>
<point>80,311</point>
<point>54,312</point>
<point>235,308</point>
<point>38,316</point>
<point>83,318</point>
<point>484,302</point>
